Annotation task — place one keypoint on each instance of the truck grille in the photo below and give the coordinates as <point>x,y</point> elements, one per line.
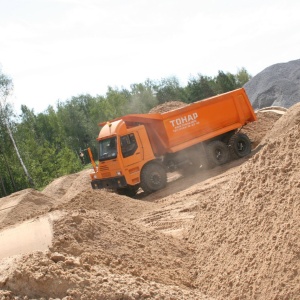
<point>103,168</point>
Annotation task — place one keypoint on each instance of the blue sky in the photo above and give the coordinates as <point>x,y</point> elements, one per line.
<point>56,49</point>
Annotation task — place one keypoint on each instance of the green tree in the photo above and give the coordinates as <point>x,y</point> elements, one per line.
<point>74,118</point>
<point>225,82</point>
<point>169,89</point>
<point>117,102</point>
<point>200,88</point>
<point>242,77</point>
<point>32,143</point>
<point>8,181</point>
<point>6,88</point>
<point>45,137</point>
<point>142,97</point>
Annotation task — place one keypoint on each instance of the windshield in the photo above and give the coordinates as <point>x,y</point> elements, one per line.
<point>108,149</point>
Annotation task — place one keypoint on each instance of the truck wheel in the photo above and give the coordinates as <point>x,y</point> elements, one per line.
<point>129,191</point>
<point>239,145</point>
<point>153,177</point>
<point>217,153</point>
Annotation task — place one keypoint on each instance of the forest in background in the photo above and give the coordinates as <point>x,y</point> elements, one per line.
<point>37,148</point>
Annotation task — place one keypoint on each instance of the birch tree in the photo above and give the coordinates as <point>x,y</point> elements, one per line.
<point>6,88</point>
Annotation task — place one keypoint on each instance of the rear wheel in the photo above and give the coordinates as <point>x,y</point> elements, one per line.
<point>153,177</point>
<point>239,145</point>
<point>217,153</point>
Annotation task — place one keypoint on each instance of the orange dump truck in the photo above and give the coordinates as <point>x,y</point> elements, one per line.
<point>138,150</point>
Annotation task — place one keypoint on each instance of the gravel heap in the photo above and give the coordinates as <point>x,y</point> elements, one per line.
<point>277,85</point>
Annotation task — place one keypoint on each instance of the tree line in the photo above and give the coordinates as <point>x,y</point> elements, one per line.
<point>37,148</point>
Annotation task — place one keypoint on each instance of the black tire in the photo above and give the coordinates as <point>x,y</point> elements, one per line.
<point>129,191</point>
<point>217,153</point>
<point>239,145</point>
<point>153,177</point>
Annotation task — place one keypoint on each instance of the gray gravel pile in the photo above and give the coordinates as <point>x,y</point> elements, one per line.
<point>277,85</point>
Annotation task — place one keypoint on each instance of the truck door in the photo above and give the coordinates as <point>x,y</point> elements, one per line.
<point>131,149</point>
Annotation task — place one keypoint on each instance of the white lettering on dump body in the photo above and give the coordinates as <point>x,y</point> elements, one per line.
<point>184,119</point>
<point>184,122</point>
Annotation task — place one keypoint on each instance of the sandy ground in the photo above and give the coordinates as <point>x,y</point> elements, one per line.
<point>232,232</point>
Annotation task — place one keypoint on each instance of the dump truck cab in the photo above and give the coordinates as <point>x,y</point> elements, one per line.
<point>123,152</point>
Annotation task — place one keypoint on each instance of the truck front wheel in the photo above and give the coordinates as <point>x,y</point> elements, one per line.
<point>217,153</point>
<point>153,177</point>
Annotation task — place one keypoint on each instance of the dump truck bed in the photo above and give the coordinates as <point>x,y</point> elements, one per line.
<point>202,120</point>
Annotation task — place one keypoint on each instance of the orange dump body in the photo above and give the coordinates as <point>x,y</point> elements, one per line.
<point>184,127</point>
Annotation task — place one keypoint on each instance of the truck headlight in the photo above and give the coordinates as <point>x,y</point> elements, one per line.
<point>119,173</point>
<point>95,176</point>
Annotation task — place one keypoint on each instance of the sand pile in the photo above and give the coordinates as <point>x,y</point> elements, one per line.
<point>277,85</point>
<point>167,106</point>
<point>284,125</point>
<point>256,131</point>
<point>247,234</point>
<point>96,248</point>
<point>22,206</point>
<point>67,187</point>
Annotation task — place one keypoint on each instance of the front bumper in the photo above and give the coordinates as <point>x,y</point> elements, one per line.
<point>109,183</point>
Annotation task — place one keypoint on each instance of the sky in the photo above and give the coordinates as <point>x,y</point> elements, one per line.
<point>56,49</point>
